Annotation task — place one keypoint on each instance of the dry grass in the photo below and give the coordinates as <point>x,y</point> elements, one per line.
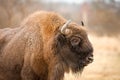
<point>106,65</point>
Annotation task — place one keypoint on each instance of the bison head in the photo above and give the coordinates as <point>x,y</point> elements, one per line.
<point>73,47</point>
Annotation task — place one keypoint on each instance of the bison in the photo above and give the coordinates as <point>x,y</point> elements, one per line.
<point>44,47</point>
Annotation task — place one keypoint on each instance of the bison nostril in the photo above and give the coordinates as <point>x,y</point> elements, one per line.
<point>90,59</point>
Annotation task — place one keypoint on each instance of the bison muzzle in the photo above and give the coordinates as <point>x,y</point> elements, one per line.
<point>44,47</point>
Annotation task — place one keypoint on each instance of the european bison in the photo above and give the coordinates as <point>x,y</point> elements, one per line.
<point>44,47</point>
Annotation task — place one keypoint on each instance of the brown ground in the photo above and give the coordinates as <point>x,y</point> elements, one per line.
<point>106,65</point>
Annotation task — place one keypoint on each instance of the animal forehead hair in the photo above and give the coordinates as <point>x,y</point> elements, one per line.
<point>77,27</point>
<point>78,30</point>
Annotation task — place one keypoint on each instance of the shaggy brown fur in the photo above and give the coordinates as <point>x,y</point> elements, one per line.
<point>37,50</point>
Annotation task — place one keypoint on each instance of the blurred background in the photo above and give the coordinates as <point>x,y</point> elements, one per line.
<point>101,18</point>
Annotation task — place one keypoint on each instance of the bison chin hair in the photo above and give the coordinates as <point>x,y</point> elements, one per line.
<point>71,57</point>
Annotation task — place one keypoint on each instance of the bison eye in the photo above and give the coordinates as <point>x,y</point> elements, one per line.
<point>75,41</point>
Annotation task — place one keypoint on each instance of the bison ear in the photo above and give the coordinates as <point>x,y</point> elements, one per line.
<point>82,23</point>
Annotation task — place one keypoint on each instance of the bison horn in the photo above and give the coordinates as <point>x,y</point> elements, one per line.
<point>82,23</point>
<point>65,26</point>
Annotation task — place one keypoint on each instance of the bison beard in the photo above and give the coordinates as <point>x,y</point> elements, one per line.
<point>44,47</point>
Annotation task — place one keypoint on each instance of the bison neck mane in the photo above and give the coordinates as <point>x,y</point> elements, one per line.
<point>43,30</point>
